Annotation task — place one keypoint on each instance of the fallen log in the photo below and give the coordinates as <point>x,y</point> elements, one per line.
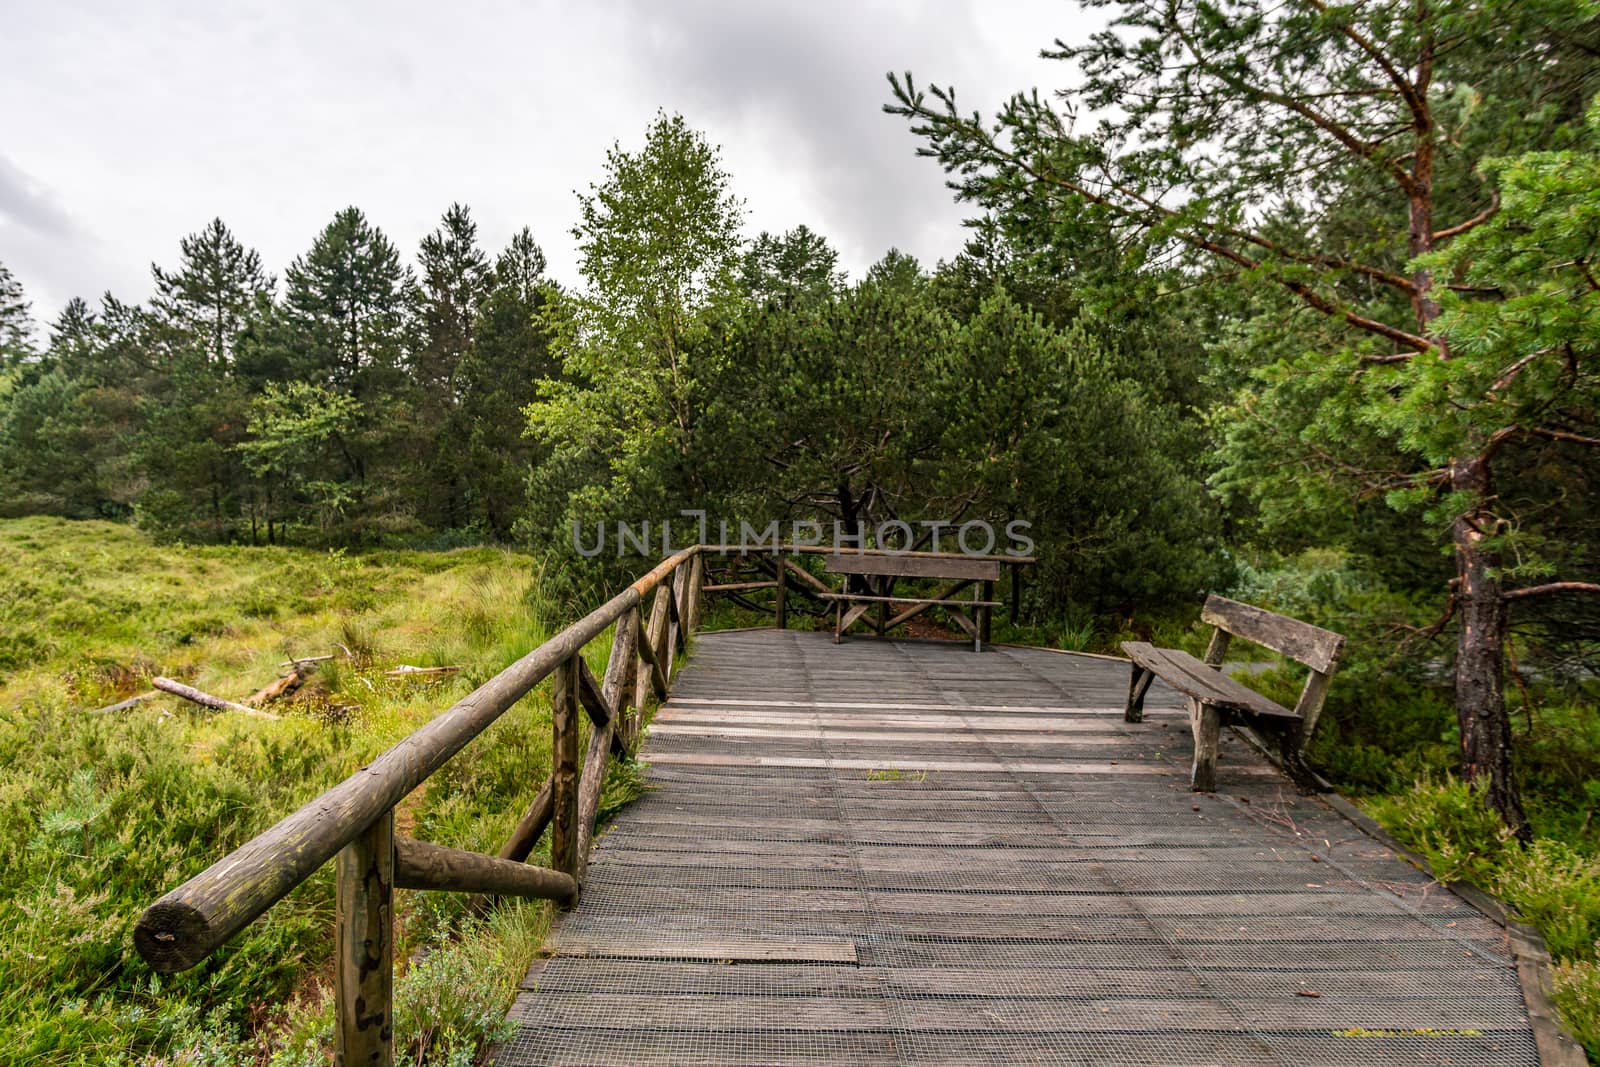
<point>282,687</point>
<point>131,702</point>
<point>406,669</point>
<point>307,659</point>
<point>206,700</point>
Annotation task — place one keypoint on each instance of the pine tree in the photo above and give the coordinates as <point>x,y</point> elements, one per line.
<point>897,271</point>
<point>350,325</point>
<point>497,379</point>
<point>73,338</point>
<point>521,267</point>
<point>455,279</point>
<point>67,430</point>
<point>208,298</point>
<point>350,299</point>
<point>195,407</point>
<point>16,323</point>
<point>795,266</point>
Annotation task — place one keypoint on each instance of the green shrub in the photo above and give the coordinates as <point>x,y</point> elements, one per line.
<point>1551,884</point>
<point>1557,888</point>
<point>1577,997</point>
<point>1451,827</point>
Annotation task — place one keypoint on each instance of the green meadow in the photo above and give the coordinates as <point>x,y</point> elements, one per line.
<point>102,813</point>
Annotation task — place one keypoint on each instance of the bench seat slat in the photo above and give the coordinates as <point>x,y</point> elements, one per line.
<point>953,602</point>
<point>1193,678</point>
<point>974,568</point>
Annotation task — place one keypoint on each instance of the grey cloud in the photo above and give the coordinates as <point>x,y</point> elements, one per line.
<point>47,249</point>
<point>153,118</point>
<point>24,204</point>
<point>810,82</point>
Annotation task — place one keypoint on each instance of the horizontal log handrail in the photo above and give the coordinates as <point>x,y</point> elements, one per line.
<point>192,921</point>
<point>419,865</point>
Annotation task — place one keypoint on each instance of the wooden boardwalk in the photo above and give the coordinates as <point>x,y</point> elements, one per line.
<point>905,852</point>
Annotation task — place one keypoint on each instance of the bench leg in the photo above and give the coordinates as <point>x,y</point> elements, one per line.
<point>1207,723</point>
<point>1138,684</point>
<point>986,615</point>
<point>838,620</point>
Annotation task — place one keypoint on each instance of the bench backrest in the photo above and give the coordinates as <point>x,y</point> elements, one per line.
<point>1311,645</point>
<point>972,568</point>
<point>1300,641</point>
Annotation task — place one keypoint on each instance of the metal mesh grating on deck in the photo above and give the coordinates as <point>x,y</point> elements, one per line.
<point>799,888</point>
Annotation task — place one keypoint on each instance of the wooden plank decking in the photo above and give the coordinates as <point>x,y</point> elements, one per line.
<point>905,852</point>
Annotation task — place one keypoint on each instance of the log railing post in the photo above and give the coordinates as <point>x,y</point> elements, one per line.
<point>672,586</point>
<point>616,686</point>
<point>692,596</point>
<point>628,681</point>
<point>564,711</point>
<point>649,640</point>
<point>660,633</point>
<point>697,602</point>
<point>613,696</point>
<point>642,669</point>
<point>364,975</point>
<point>782,607</point>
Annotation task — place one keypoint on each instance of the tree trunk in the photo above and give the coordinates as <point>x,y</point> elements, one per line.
<point>1480,646</point>
<point>1480,666</point>
<point>850,519</point>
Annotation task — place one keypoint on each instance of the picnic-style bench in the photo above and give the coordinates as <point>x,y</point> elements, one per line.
<point>882,570</point>
<point>1215,697</point>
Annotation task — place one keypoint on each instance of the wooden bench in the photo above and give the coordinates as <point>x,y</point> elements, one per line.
<point>1214,697</point>
<point>882,570</point>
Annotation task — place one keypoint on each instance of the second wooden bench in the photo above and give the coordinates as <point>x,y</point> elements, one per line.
<point>882,570</point>
<point>1215,697</point>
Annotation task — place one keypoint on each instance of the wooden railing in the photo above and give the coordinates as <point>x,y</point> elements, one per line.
<point>354,821</point>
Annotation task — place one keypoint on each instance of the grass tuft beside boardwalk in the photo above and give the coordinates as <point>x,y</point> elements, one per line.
<point>101,814</point>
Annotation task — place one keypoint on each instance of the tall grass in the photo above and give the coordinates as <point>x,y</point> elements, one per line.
<point>101,814</point>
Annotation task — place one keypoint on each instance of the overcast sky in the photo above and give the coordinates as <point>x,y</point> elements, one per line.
<point>128,125</point>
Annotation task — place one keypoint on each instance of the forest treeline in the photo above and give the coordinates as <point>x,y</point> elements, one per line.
<point>471,398</point>
<point>1308,312</point>
<point>359,399</point>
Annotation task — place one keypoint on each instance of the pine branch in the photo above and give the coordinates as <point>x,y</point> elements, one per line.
<point>1510,373</point>
<point>1418,103</point>
<point>1138,208</point>
<point>1551,589</point>
<point>1563,435</point>
<point>1477,220</point>
<point>1363,149</point>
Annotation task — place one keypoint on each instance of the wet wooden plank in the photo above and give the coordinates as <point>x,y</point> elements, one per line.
<point>734,950</point>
